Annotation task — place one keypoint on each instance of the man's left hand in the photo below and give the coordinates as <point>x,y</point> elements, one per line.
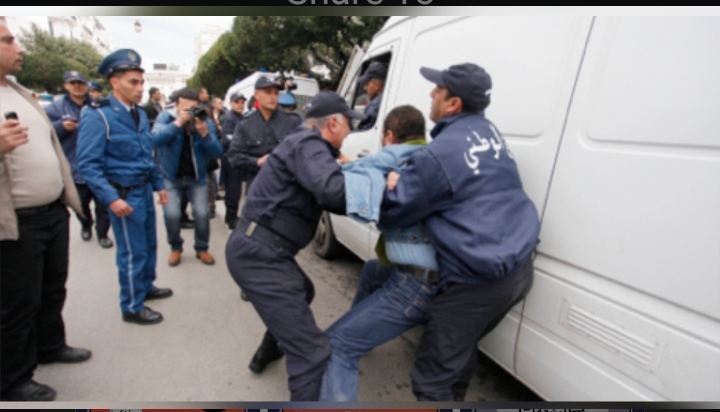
<point>164,198</point>
<point>392,180</point>
<point>343,159</point>
<point>201,128</point>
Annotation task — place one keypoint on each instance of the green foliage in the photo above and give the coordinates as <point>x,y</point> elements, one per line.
<point>283,43</point>
<point>47,58</point>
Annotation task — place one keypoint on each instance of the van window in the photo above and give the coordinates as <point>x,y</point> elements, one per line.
<point>357,96</point>
<point>664,77</point>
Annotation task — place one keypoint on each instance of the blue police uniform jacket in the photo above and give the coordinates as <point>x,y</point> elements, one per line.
<point>466,188</point>
<point>255,137</point>
<point>228,124</point>
<point>168,139</point>
<point>365,182</point>
<point>372,110</point>
<point>112,148</point>
<point>66,106</point>
<point>300,178</point>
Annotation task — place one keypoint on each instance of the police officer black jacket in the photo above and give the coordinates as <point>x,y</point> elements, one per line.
<point>302,179</point>
<point>255,137</point>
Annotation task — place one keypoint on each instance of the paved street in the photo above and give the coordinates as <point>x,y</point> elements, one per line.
<point>201,351</point>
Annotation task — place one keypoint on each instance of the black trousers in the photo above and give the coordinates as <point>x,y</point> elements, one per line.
<point>459,316</point>
<point>33,272</point>
<point>281,293</point>
<point>102,225</point>
<point>233,187</point>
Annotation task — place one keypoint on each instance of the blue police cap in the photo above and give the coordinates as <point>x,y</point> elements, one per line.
<point>468,81</point>
<point>326,103</point>
<point>236,96</point>
<point>120,60</point>
<point>377,70</point>
<point>74,76</point>
<point>95,86</point>
<point>286,99</point>
<point>265,82</point>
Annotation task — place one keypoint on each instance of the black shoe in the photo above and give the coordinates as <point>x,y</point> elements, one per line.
<point>268,351</point>
<point>231,221</point>
<point>146,317</point>
<point>187,224</point>
<point>30,391</point>
<point>86,234</point>
<point>243,296</point>
<point>158,293</point>
<point>105,242</point>
<point>69,355</point>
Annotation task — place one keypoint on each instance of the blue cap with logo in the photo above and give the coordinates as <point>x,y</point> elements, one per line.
<point>73,76</point>
<point>468,81</point>
<point>326,103</point>
<point>120,60</point>
<point>95,86</point>
<point>286,99</point>
<point>264,82</point>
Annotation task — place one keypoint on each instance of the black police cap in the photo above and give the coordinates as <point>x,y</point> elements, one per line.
<point>326,103</point>
<point>468,81</point>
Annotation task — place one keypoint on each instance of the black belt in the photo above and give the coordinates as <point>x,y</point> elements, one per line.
<point>28,211</point>
<point>124,190</point>
<point>264,235</point>
<point>428,275</point>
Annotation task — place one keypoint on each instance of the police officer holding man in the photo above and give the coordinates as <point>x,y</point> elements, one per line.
<point>373,82</point>
<point>262,130</point>
<point>299,179</point>
<point>115,159</point>
<point>465,188</point>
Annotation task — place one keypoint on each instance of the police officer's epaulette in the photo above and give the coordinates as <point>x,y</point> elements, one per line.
<point>96,104</point>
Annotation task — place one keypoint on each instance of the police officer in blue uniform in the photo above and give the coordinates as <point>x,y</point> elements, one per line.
<point>115,159</point>
<point>465,188</point>
<point>233,177</point>
<point>300,178</point>
<point>64,114</point>
<point>95,91</point>
<point>262,130</point>
<point>373,82</point>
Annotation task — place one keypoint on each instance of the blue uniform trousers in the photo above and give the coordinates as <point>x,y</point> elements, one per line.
<point>281,293</point>
<point>136,248</point>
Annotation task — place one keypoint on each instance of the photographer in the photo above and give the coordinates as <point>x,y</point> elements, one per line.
<point>185,140</point>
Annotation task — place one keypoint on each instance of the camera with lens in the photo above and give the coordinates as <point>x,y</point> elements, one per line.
<point>199,112</point>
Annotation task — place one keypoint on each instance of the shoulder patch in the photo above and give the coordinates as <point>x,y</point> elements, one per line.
<point>99,103</point>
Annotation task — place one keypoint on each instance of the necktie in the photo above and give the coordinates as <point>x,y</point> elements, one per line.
<point>135,116</point>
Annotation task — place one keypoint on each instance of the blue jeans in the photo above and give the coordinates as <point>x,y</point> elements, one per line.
<point>388,303</point>
<point>198,196</point>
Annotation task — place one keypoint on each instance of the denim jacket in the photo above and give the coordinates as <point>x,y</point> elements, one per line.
<point>167,138</point>
<point>365,181</point>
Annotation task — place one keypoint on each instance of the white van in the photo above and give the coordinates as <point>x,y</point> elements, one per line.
<point>614,125</point>
<point>306,88</point>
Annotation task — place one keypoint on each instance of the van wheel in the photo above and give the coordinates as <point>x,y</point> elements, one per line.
<point>325,244</point>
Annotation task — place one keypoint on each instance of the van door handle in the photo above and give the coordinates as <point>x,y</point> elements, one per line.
<point>364,153</point>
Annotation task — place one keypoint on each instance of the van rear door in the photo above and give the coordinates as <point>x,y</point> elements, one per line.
<point>625,301</point>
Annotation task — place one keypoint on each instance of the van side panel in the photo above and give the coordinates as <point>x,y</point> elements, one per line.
<point>533,62</point>
<point>628,272</point>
